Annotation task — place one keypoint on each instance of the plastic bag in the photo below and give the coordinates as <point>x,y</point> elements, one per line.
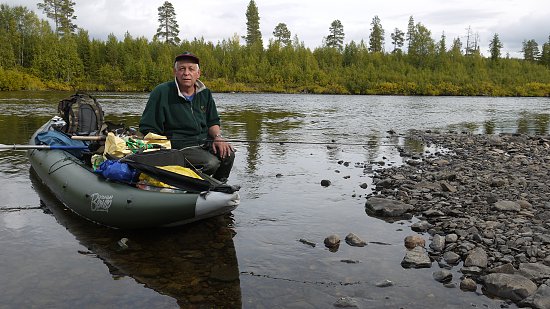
<point>118,171</point>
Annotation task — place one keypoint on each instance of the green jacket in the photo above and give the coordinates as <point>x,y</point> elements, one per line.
<point>185,122</point>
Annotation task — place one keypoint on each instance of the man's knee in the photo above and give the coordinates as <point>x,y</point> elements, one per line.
<point>211,165</point>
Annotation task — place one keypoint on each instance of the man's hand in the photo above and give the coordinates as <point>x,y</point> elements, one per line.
<point>221,147</point>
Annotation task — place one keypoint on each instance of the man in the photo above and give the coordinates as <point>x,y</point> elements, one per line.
<point>184,111</point>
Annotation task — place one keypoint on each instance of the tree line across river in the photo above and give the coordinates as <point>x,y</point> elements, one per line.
<point>33,56</point>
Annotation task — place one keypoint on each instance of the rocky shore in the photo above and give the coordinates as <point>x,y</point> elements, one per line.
<point>485,205</point>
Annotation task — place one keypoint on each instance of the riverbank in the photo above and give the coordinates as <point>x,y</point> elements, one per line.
<point>485,205</point>
<point>16,80</point>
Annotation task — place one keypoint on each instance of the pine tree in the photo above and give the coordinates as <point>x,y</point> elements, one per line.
<point>422,45</point>
<point>530,50</point>
<point>52,10</point>
<point>376,41</point>
<point>335,39</point>
<point>168,28</point>
<point>282,34</point>
<point>398,38</point>
<point>67,16</point>
<point>442,44</point>
<point>545,54</point>
<point>410,32</point>
<point>494,47</point>
<point>253,34</point>
<point>456,49</point>
<point>62,13</point>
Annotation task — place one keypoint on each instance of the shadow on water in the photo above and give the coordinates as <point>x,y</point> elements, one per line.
<point>195,264</point>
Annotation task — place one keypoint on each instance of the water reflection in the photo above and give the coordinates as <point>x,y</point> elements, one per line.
<point>533,123</point>
<point>258,126</point>
<point>489,127</point>
<point>195,264</point>
<point>524,123</point>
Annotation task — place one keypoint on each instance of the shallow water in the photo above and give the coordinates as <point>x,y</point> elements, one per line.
<point>252,258</point>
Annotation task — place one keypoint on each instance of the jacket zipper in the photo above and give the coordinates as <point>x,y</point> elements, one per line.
<point>194,118</point>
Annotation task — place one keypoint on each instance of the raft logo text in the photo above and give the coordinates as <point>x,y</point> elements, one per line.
<point>101,202</point>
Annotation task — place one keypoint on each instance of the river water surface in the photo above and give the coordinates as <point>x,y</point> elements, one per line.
<point>251,258</point>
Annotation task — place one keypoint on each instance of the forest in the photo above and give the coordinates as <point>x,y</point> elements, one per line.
<point>34,55</point>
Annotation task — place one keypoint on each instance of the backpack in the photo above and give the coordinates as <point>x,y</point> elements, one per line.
<point>82,114</point>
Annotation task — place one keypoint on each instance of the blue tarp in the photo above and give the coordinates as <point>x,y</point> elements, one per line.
<point>56,138</point>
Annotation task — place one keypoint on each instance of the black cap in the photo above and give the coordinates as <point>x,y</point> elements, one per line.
<point>187,55</point>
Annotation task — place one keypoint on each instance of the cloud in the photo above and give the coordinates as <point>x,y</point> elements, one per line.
<point>534,26</point>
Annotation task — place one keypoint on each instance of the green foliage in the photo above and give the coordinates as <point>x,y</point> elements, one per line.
<point>33,56</point>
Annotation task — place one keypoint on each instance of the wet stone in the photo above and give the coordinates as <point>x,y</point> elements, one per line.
<point>384,283</point>
<point>416,258</point>
<point>332,241</point>
<point>500,219</point>
<point>421,226</point>
<point>467,284</point>
<point>442,275</point>
<point>514,287</point>
<point>438,243</point>
<point>387,207</point>
<point>346,302</point>
<point>451,257</point>
<point>355,241</point>
<point>477,257</point>
<point>412,241</point>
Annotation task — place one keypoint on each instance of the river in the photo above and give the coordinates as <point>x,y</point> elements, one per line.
<point>251,258</point>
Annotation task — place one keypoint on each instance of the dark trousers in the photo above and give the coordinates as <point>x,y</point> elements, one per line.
<point>209,163</point>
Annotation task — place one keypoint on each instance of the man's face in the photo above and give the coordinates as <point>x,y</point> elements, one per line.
<point>186,73</point>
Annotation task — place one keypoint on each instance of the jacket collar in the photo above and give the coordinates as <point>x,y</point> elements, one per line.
<point>199,86</point>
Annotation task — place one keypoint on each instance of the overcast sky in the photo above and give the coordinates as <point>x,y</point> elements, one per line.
<point>513,20</point>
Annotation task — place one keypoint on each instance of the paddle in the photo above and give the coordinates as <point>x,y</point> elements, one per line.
<point>102,138</point>
<point>47,147</point>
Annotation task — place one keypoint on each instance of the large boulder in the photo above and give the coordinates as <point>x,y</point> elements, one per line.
<point>534,271</point>
<point>509,286</point>
<point>539,300</point>
<point>385,207</point>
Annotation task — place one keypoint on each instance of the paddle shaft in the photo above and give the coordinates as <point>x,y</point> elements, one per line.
<point>48,147</point>
<point>102,138</point>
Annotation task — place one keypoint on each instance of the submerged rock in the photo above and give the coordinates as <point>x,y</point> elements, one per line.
<point>332,241</point>
<point>346,302</point>
<point>384,283</point>
<point>307,242</point>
